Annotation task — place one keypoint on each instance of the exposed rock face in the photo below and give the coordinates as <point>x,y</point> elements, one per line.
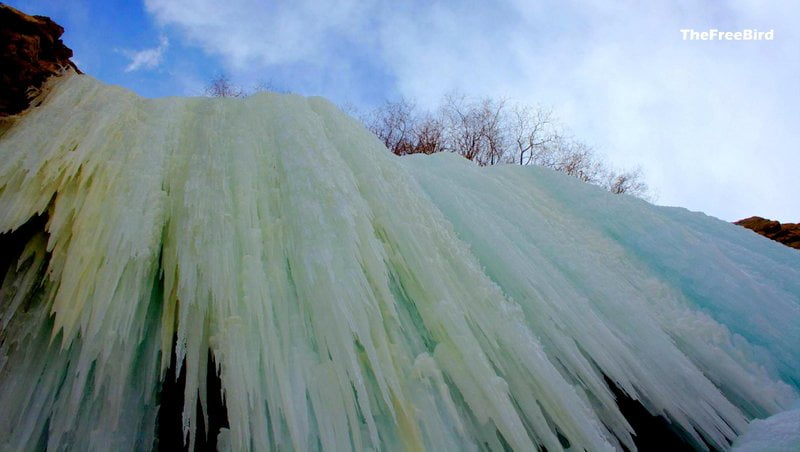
<point>787,233</point>
<point>30,52</point>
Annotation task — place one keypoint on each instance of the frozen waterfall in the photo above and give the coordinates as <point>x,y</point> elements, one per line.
<point>354,300</point>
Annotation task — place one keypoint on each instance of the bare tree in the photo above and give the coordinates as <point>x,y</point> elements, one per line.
<point>576,159</point>
<point>486,132</point>
<point>531,130</point>
<point>476,130</point>
<point>492,114</point>
<point>221,86</point>
<point>403,131</point>
<point>393,123</point>
<point>628,182</point>
<point>429,135</point>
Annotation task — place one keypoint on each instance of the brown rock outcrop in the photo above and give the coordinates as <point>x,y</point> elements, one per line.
<point>786,233</point>
<point>30,51</point>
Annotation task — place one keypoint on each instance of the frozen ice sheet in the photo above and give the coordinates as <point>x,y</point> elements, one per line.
<point>353,300</point>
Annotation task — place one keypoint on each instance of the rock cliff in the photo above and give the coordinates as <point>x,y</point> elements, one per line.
<point>30,51</point>
<point>787,233</point>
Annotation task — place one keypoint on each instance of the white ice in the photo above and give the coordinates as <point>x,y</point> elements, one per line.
<point>778,433</point>
<point>354,300</point>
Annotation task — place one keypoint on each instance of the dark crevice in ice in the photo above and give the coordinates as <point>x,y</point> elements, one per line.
<point>169,426</point>
<point>13,243</point>
<point>651,432</point>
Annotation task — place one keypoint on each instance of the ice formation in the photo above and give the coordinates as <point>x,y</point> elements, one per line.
<point>778,433</point>
<point>353,300</point>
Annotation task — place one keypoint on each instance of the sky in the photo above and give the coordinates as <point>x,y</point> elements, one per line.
<point>714,125</point>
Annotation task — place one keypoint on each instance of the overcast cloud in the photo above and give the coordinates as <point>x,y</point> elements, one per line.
<point>714,125</point>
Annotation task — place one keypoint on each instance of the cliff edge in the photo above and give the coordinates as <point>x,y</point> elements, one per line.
<point>786,233</point>
<point>30,51</point>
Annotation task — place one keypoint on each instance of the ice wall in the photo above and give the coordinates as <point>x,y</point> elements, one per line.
<point>354,300</point>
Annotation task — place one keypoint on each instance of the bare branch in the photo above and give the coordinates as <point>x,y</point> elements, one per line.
<point>222,87</point>
<point>488,132</point>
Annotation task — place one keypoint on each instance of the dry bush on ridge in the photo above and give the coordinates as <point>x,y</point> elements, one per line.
<point>489,132</point>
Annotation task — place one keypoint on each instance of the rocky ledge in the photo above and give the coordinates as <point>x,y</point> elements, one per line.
<point>786,233</point>
<point>30,51</point>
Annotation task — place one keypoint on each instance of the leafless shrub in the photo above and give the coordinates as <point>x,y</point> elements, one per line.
<point>489,132</point>
<point>629,182</point>
<point>475,129</point>
<point>531,131</point>
<point>221,86</point>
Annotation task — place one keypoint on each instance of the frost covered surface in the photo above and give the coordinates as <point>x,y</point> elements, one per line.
<point>778,433</point>
<point>354,300</point>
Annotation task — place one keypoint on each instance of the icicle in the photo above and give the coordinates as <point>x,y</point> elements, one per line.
<point>354,300</point>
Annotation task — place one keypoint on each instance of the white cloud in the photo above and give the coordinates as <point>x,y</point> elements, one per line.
<point>247,32</point>
<point>147,58</point>
<point>714,124</point>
